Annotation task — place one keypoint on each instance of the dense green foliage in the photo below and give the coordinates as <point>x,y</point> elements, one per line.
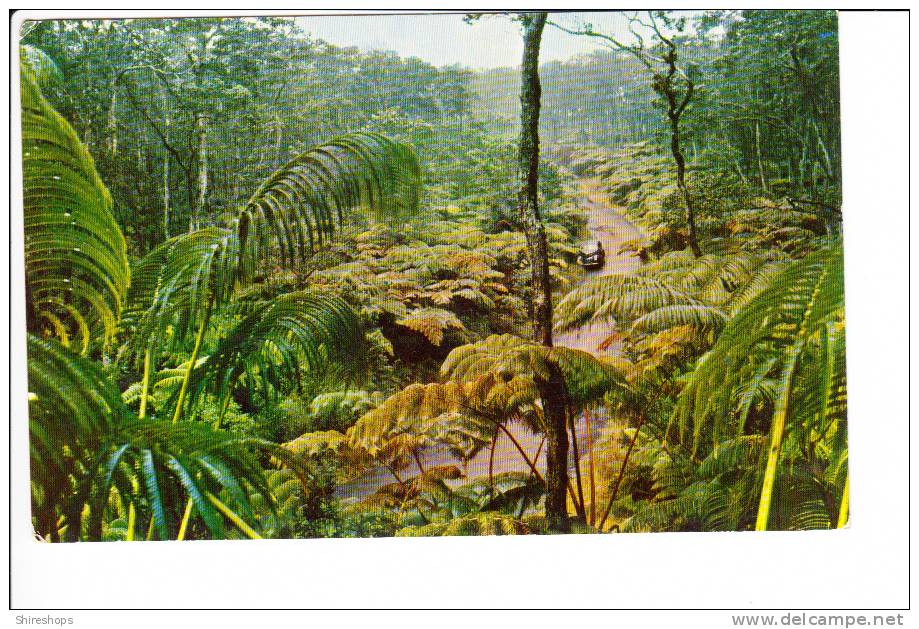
<point>279,288</point>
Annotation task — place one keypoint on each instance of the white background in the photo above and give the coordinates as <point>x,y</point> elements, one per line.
<point>863,566</point>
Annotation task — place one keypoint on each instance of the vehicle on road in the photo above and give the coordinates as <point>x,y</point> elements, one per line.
<point>592,259</point>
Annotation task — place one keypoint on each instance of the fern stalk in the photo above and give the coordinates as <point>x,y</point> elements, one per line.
<point>132,512</point>
<point>590,463</point>
<point>778,431</point>
<point>233,517</point>
<point>145,387</point>
<point>538,451</point>
<point>194,358</point>
<point>186,518</point>
<point>625,461</point>
<point>418,461</point>
<point>844,506</point>
<point>491,463</point>
<point>579,503</point>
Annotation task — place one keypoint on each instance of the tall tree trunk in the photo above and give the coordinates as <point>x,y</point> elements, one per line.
<point>552,390</point>
<point>681,184</point>
<point>676,105</point>
<point>759,160</point>
<point>528,173</point>
<point>112,124</point>
<point>198,207</point>
<point>166,172</point>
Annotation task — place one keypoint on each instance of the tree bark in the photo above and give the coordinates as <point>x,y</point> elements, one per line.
<point>552,390</point>
<point>198,207</point>
<point>759,160</point>
<point>528,173</point>
<point>555,403</point>
<point>676,105</point>
<point>166,171</point>
<point>681,184</point>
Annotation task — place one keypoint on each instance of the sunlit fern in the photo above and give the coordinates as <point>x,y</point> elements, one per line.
<point>476,524</point>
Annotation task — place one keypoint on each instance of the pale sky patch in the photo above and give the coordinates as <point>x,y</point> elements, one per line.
<point>493,41</point>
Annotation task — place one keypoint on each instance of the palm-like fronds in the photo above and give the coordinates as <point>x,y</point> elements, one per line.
<point>794,309</point>
<point>673,291</point>
<point>75,255</point>
<point>617,297</point>
<point>506,357</point>
<point>174,288</point>
<point>40,66</point>
<point>293,212</point>
<point>275,341</point>
<point>85,442</point>
<point>667,317</point>
<point>407,414</point>
<point>795,327</point>
<point>299,207</point>
<point>431,323</point>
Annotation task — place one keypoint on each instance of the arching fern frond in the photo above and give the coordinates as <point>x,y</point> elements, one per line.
<point>176,286</point>
<point>277,340</point>
<point>431,323</point>
<point>298,208</point>
<point>407,412</point>
<point>289,217</point>
<point>75,254</point>
<point>506,357</point>
<point>667,317</point>
<point>40,65</point>
<point>620,298</point>
<point>796,307</point>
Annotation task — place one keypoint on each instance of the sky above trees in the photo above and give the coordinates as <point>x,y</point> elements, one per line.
<point>492,42</point>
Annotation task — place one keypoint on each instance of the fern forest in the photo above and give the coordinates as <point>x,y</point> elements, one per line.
<point>280,287</point>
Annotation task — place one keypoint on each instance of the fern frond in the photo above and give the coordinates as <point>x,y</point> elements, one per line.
<point>299,207</point>
<point>475,524</point>
<point>619,298</point>
<point>795,307</point>
<point>278,340</point>
<point>667,317</point>
<point>431,323</point>
<point>84,442</point>
<point>75,254</point>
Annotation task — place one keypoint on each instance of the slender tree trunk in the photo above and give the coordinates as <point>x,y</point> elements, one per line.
<point>166,193</point>
<point>740,173</point>
<point>759,160</point>
<point>528,173</point>
<point>590,458</point>
<point>112,123</point>
<point>552,390</point>
<point>198,207</point>
<point>676,105</point>
<point>625,461</point>
<point>579,503</point>
<point>681,184</point>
